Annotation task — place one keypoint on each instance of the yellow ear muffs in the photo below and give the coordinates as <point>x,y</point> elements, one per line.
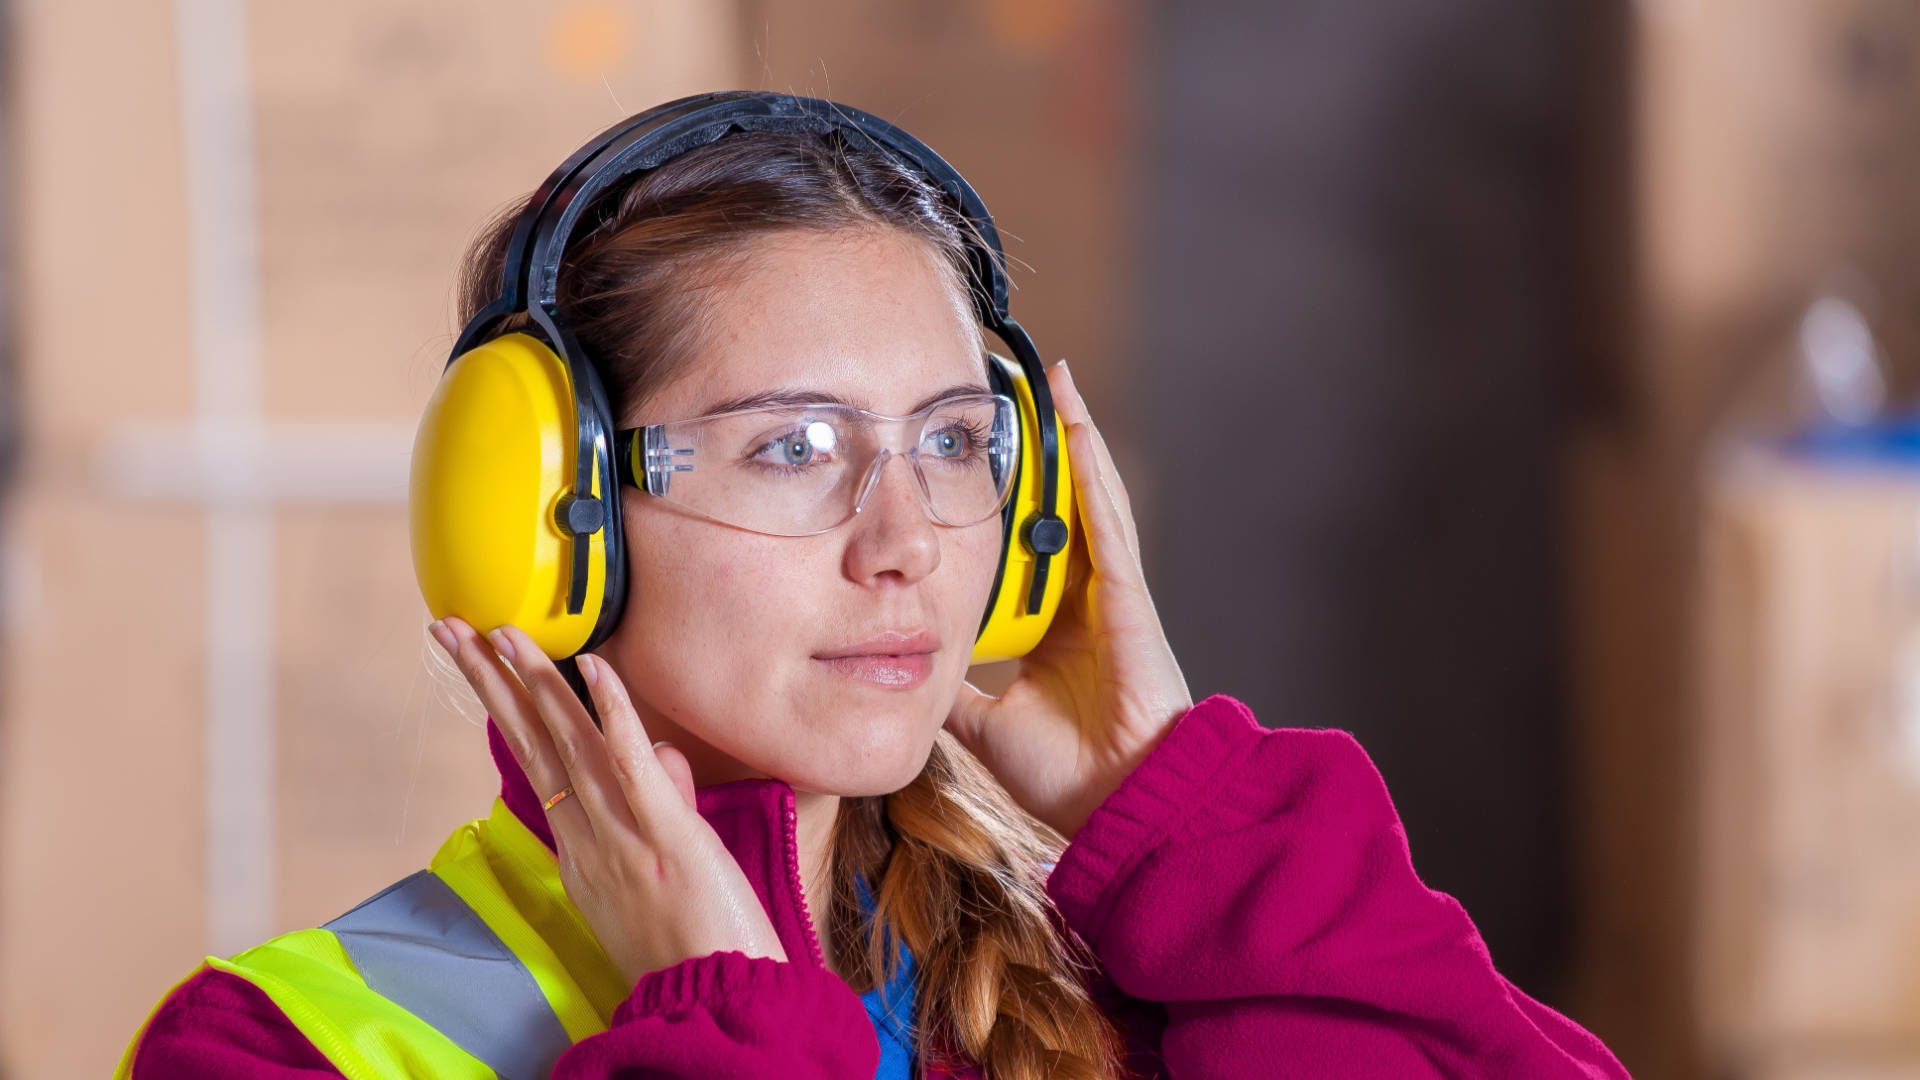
<point>497,455</point>
<point>494,453</point>
<point>1008,631</point>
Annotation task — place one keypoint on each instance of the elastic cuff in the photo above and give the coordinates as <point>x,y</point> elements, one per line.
<point>1180,776</point>
<point>701,981</point>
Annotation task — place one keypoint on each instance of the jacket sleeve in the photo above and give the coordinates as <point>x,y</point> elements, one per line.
<point>724,1014</point>
<point>214,1026</point>
<point>1256,886</point>
<point>729,1014</point>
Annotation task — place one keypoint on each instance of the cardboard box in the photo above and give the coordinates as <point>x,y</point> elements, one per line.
<point>1807,921</point>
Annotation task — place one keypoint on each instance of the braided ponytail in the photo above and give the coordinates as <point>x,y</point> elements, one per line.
<point>961,873</point>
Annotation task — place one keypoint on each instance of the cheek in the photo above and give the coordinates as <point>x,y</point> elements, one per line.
<point>967,571</point>
<point>702,604</point>
<point>978,558</point>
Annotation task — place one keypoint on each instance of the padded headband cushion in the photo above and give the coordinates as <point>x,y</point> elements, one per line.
<point>658,135</point>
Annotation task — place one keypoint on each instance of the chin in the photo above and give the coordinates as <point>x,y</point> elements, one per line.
<point>868,753</point>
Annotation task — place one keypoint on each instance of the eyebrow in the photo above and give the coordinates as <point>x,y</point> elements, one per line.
<point>768,398</point>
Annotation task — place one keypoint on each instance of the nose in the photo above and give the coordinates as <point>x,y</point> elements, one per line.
<point>893,532</point>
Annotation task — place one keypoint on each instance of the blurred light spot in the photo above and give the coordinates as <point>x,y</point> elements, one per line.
<point>1032,27</point>
<point>1841,360</point>
<point>586,40</point>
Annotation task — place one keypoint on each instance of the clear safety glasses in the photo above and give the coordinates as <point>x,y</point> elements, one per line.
<point>798,470</point>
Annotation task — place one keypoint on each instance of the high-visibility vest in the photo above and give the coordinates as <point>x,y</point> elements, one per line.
<point>475,967</point>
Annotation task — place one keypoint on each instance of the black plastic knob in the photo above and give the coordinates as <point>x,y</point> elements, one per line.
<point>1046,535</point>
<point>580,516</point>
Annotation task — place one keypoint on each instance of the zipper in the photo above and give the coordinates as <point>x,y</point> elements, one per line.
<point>790,826</point>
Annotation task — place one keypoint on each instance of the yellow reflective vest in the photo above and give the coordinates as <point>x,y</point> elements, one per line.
<point>475,967</point>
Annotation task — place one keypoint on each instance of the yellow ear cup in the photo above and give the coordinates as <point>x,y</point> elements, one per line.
<point>1010,632</point>
<point>493,454</point>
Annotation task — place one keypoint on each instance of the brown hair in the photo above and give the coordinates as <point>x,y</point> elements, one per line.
<point>959,865</point>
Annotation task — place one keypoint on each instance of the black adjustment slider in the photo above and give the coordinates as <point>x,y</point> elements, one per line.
<point>580,515</point>
<point>1046,534</point>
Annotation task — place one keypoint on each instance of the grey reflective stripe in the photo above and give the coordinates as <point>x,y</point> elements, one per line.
<point>420,946</point>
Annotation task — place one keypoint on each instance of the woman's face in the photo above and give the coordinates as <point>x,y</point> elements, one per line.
<point>721,642</point>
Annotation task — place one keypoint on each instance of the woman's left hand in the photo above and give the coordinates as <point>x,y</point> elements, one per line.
<point>1102,688</point>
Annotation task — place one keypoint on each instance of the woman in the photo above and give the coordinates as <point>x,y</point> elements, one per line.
<point>781,835</point>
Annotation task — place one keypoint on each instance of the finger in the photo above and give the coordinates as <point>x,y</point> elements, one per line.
<point>1073,409</point>
<point>679,770</point>
<point>581,748</point>
<point>1079,568</point>
<point>1060,376</point>
<point>1112,557</point>
<point>1116,485</point>
<point>968,716</point>
<point>511,707</point>
<point>636,766</point>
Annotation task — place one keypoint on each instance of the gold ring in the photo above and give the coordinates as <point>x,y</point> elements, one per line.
<point>563,793</point>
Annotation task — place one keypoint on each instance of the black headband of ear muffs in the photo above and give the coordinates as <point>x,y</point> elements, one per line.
<point>531,274</point>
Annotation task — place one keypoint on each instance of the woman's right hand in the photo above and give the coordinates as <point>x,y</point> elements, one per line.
<point>651,877</point>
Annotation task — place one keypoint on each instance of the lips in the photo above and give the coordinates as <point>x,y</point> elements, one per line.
<point>889,643</point>
<point>898,672</point>
<point>896,659</point>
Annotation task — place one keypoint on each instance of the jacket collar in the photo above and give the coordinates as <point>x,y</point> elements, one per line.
<point>755,820</point>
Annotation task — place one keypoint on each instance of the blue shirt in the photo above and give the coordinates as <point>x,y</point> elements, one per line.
<point>894,1025</point>
<point>892,1017</point>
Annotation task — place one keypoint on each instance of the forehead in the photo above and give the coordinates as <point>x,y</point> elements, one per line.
<point>869,316</point>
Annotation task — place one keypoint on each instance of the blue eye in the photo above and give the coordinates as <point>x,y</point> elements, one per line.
<point>955,442</point>
<point>796,450</point>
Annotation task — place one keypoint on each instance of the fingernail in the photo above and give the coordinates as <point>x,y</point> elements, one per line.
<point>590,669</point>
<point>501,644</point>
<point>442,635</point>
<point>661,743</point>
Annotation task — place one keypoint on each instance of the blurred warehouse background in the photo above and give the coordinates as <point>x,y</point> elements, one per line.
<point>1526,387</point>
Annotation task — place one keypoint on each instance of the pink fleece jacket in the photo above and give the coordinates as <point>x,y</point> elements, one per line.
<point>1248,891</point>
